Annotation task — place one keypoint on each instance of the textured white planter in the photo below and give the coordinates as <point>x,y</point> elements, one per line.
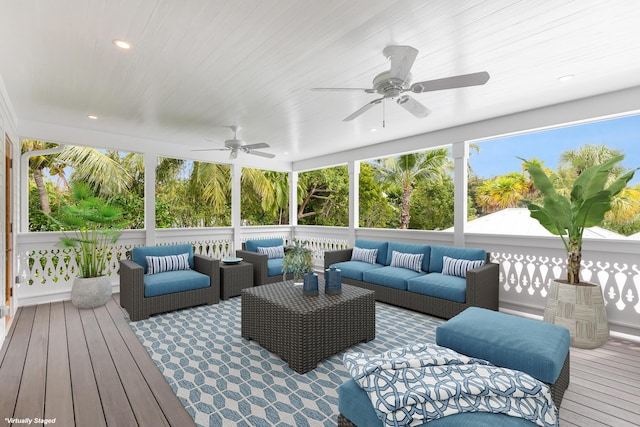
<point>91,291</point>
<point>579,308</point>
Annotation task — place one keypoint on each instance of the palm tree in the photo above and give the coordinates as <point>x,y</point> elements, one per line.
<point>405,170</point>
<point>589,155</point>
<point>104,174</point>
<point>503,191</point>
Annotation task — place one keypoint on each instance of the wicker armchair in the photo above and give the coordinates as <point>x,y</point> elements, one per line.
<point>262,265</point>
<point>132,282</point>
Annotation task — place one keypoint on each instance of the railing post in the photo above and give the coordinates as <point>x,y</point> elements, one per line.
<point>236,214</point>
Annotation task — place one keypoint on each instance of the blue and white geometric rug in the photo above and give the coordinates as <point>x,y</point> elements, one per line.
<point>224,380</point>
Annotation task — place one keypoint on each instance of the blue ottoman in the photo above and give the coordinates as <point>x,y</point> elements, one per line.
<point>540,349</point>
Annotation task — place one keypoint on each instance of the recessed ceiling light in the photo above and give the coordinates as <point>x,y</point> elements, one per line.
<point>285,153</point>
<point>92,117</point>
<point>122,44</point>
<point>565,78</point>
<point>373,130</point>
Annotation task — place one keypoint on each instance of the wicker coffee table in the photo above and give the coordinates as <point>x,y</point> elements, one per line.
<point>304,330</point>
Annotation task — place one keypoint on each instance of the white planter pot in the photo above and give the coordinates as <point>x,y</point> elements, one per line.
<point>581,309</point>
<point>91,292</point>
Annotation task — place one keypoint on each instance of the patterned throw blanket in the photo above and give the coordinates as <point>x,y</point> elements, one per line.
<point>414,384</point>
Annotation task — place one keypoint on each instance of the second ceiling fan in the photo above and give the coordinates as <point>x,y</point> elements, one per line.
<point>393,83</point>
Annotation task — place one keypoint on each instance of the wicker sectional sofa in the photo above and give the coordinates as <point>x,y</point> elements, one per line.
<point>428,290</point>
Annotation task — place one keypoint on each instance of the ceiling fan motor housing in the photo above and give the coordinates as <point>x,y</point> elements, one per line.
<point>390,87</point>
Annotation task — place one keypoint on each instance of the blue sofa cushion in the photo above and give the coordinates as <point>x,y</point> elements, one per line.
<point>410,248</point>
<point>174,281</point>
<point>252,245</point>
<point>527,345</point>
<point>437,252</point>
<point>354,269</point>
<point>139,254</point>
<point>438,285</point>
<point>274,266</point>
<point>355,405</point>
<point>392,277</point>
<point>375,244</point>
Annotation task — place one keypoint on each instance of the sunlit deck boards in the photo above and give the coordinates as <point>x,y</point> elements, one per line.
<point>83,368</point>
<point>86,367</point>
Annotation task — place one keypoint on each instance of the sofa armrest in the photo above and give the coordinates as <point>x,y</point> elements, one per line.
<point>483,286</point>
<point>210,267</point>
<point>259,262</point>
<point>340,255</point>
<point>131,284</point>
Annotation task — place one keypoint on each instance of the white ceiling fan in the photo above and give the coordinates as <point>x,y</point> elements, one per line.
<point>393,83</point>
<point>234,145</point>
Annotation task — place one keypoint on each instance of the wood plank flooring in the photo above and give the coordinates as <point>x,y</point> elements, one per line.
<point>87,368</point>
<point>82,368</point>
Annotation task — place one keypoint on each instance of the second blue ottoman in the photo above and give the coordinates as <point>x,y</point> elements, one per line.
<point>540,349</point>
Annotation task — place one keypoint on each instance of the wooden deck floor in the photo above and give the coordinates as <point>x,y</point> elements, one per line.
<point>87,368</point>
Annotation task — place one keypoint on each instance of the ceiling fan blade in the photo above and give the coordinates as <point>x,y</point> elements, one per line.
<point>402,59</point>
<point>262,154</point>
<point>210,149</point>
<point>363,109</point>
<point>413,106</point>
<point>340,89</point>
<point>464,80</point>
<point>258,145</point>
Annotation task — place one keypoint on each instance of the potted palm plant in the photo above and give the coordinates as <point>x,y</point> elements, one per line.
<point>297,261</point>
<point>95,226</point>
<point>577,305</point>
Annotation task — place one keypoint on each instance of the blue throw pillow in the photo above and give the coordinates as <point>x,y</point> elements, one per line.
<point>364,255</point>
<point>160,264</point>
<point>458,267</point>
<point>408,261</point>
<point>272,251</point>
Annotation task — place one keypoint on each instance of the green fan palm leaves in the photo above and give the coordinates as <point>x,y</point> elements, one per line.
<point>95,225</point>
<point>589,201</point>
<point>403,172</point>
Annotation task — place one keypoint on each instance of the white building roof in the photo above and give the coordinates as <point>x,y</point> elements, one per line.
<point>518,221</point>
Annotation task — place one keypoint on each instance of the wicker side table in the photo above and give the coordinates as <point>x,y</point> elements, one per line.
<point>304,330</point>
<point>234,278</point>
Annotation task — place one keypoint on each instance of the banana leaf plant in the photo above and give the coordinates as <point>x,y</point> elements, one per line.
<point>95,226</point>
<point>587,205</point>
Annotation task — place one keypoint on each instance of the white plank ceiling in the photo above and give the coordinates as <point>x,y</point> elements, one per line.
<point>196,66</point>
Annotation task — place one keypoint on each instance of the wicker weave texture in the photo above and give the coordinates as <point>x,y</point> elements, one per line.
<point>234,278</point>
<point>304,330</point>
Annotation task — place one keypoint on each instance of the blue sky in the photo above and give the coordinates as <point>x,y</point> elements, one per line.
<point>498,156</point>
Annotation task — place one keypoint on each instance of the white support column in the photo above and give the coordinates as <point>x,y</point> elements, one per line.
<point>150,164</point>
<point>460,162</point>
<point>236,213</point>
<point>354,200</point>
<point>293,201</point>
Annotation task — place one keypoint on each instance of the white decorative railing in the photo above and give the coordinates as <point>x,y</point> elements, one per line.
<point>526,263</point>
